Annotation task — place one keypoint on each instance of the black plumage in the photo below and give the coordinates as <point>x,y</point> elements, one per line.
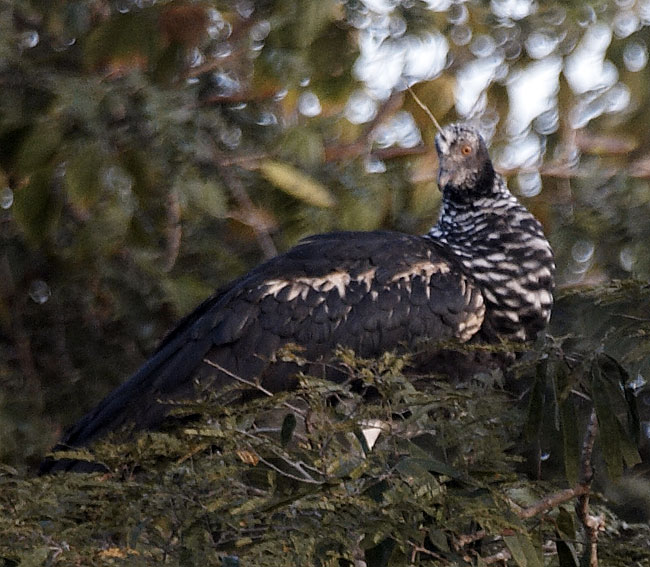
<point>483,272</point>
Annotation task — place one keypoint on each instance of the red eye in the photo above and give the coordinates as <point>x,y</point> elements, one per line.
<point>466,150</point>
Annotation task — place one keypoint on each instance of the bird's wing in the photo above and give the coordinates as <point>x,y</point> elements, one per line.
<point>370,291</point>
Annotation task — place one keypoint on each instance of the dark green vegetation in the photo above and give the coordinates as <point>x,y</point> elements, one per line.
<point>290,480</point>
<point>151,151</point>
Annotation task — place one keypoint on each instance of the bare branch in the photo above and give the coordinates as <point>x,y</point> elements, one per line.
<point>307,478</point>
<point>261,229</point>
<point>465,539</point>
<point>419,549</point>
<point>252,384</point>
<point>173,230</point>
<point>549,502</point>
<point>502,557</point>
<point>238,378</point>
<point>426,109</point>
<point>592,524</point>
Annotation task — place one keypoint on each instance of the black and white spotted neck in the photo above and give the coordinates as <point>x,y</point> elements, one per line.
<point>499,243</point>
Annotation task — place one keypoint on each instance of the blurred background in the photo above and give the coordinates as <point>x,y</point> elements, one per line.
<point>151,151</point>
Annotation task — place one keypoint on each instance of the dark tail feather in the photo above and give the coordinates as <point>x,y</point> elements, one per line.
<point>138,403</point>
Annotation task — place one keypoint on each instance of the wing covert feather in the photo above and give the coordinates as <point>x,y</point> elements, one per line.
<point>371,292</point>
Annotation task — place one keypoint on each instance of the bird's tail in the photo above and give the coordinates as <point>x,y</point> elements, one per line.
<point>137,404</point>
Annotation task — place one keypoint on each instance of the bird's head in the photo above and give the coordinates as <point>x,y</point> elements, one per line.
<point>464,163</point>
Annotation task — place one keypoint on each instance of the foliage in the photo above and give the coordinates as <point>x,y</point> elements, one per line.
<point>151,151</point>
<point>443,485</point>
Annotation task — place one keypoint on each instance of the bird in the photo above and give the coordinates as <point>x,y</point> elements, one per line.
<point>483,273</point>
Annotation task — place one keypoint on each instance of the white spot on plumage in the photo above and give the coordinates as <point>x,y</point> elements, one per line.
<point>489,295</point>
<point>545,297</point>
<point>273,287</point>
<point>507,314</point>
<point>294,291</point>
<point>481,263</point>
<point>301,285</point>
<point>508,266</point>
<point>521,334</point>
<point>422,269</point>
<point>475,317</point>
<point>498,277</point>
<point>515,303</point>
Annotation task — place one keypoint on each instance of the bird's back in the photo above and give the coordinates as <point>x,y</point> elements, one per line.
<point>368,291</point>
<point>485,271</point>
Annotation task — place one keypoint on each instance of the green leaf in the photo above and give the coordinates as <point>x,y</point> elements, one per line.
<point>617,378</point>
<point>204,195</point>
<point>424,459</point>
<point>555,371</point>
<point>124,36</point>
<point>565,524</point>
<point>566,555</point>
<point>82,176</point>
<point>303,147</point>
<point>297,184</point>
<point>36,207</point>
<point>36,557</point>
<point>314,16</point>
<point>570,440</point>
<point>608,391</point>
<point>608,427</point>
<point>430,464</point>
<point>439,539</point>
<point>629,449</point>
<point>523,551</point>
<point>38,147</point>
<point>288,427</point>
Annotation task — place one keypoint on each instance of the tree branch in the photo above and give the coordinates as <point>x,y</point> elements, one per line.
<point>592,524</point>
<point>549,502</point>
<point>252,384</point>
<point>173,230</point>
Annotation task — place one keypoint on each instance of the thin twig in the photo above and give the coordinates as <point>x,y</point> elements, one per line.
<point>464,539</point>
<point>252,384</point>
<point>419,549</point>
<point>426,109</point>
<point>307,480</point>
<point>586,469</point>
<point>592,524</point>
<point>261,233</point>
<point>173,230</point>
<point>333,153</point>
<point>238,378</point>
<point>549,502</point>
<point>580,394</point>
<point>502,557</point>
<point>298,465</point>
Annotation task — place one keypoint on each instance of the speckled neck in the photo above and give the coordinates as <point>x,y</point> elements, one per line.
<point>503,249</point>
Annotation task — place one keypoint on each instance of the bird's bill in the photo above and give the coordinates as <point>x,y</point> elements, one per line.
<point>444,177</point>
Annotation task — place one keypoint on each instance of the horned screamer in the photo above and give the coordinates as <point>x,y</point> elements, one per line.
<point>482,273</point>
